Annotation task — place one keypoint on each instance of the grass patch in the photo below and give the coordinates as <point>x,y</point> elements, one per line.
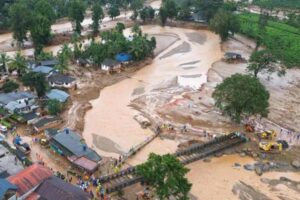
<point>283,40</point>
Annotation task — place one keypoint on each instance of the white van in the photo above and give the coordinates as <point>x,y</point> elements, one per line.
<point>3,129</point>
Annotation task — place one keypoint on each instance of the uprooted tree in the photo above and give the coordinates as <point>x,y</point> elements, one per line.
<point>241,96</point>
<point>166,175</point>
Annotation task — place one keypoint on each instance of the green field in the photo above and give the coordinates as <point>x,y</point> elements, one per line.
<point>283,40</point>
<point>281,3</point>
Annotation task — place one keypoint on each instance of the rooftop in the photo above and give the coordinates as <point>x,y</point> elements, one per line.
<point>45,120</point>
<point>43,69</point>
<point>29,178</point>
<point>123,57</point>
<point>55,188</point>
<point>59,95</point>
<point>49,63</point>
<point>5,186</point>
<point>5,98</point>
<point>7,163</point>
<point>74,143</point>
<point>110,62</point>
<point>60,78</point>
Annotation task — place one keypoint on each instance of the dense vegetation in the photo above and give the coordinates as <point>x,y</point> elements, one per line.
<point>278,3</point>
<point>281,39</point>
<point>115,42</point>
<point>241,96</point>
<point>166,175</point>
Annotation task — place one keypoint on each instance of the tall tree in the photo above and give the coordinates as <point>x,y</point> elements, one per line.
<point>36,81</point>
<point>76,14</point>
<point>166,175</point>
<point>113,11</point>
<point>263,61</point>
<point>241,95</point>
<point>224,23</point>
<point>120,27</point>
<point>64,55</point>
<point>163,16</point>
<point>20,20</point>
<point>97,17</point>
<point>208,8</point>
<point>9,86</point>
<point>18,63</point>
<point>170,8</point>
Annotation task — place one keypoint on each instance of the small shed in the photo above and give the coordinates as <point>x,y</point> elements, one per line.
<point>110,65</point>
<point>46,122</point>
<point>59,95</point>
<point>123,57</point>
<point>232,56</point>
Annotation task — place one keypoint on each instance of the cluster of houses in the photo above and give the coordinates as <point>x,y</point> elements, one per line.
<point>22,106</point>
<point>38,182</point>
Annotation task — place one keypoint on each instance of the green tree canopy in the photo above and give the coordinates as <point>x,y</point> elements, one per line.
<point>54,107</point>
<point>97,17</point>
<point>166,175</point>
<point>147,13</point>
<point>224,23</point>
<point>20,21</point>
<point>241,95</point>
<point>4,59</point>
<point>263,61</point>
<point>113,11</point>
<point>163,16</point>
<point>208,8</point>
<point>64,56</point>
<point>76,14</point>
<point>36,81</point>
<point>9,86</point>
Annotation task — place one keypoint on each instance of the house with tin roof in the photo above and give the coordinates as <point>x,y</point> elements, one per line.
<point>43,69</point>
<point>110,65</point>
<point>73,147</point>
<point>60,80</point>
<point>7,190</point>
<point>58,95</point>
<point>46,122</point>
<point>49,63</point>
<point>29,179</point>
<point>20,102</point>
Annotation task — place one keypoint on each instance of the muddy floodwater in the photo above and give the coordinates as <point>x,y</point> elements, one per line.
<point>225,178</point>
<point>110,126</point>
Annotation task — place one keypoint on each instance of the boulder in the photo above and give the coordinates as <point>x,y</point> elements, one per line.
<point>249,167</point>
<point>296,164</point>
<point>259,170</point>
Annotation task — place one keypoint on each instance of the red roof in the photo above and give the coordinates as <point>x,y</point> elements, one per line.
<point>29,178</point>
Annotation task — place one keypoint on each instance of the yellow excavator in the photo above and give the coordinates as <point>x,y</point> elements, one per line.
<point>267,135</point>
<point>270,147</point>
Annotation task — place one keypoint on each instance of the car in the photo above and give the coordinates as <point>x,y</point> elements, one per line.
<point>3,129</point>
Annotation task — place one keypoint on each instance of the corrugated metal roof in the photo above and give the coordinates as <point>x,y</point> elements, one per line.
<point>5,98</point>
<point>43,69</point>
<point>60,78</point>
<point>5,186</point>
<point>59,95</point>
<point>55,188</point>
<point>73,142</point>
<point>29,178</point>
<point>45,120</point>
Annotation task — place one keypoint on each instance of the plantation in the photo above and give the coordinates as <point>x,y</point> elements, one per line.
<point>280,3</point>
<point>281,39</point>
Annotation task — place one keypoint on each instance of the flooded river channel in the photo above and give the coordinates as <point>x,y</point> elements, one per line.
<point>110,127</point>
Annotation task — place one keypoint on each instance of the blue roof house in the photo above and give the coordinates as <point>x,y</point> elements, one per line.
<point>59,95</point>
<point>7,190</point>
<point>43,69</point>
<point>123,57</point>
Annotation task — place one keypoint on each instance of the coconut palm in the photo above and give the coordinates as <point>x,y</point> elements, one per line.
<point>18,63</point>
<point>4,59</point>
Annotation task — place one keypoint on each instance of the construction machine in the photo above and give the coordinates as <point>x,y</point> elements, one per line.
<point>270,147</point>
<point>267,135</point>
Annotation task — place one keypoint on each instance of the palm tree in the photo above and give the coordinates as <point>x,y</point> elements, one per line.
<point>4,59</point>
<point>18,63</point>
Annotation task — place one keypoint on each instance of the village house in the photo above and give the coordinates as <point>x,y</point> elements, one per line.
<point>109,65</point>
<point>48,63</point>
<point>8,191</point>
<point>20,102</point>
<point>38,182</point>
<point>46,122</point>
<point>58,95</point>
<point>71,145</point>
<point>29,179</point>
<point>43,69</point>
<point>61,80</point>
